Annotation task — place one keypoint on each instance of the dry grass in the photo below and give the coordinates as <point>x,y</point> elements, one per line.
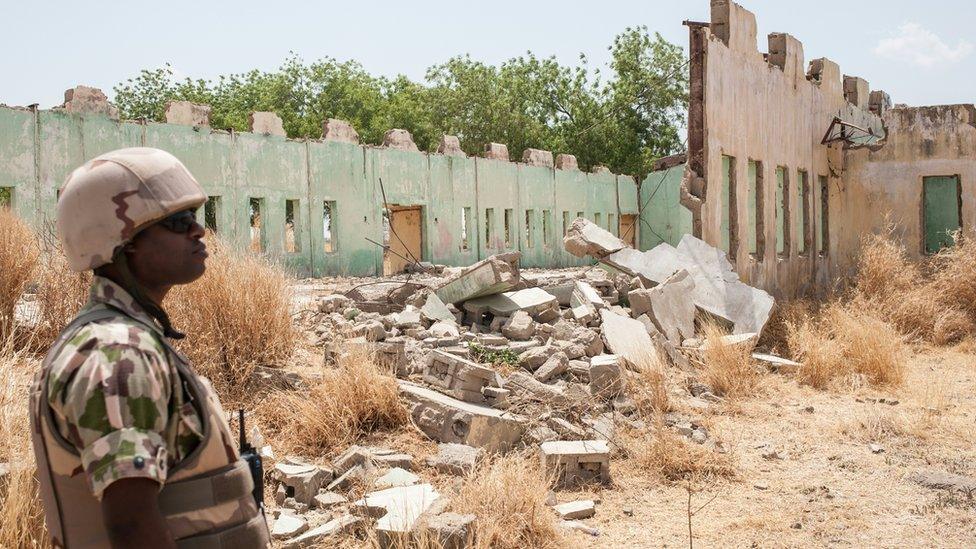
<point>19,252</point>
<point>21,514</point>
<point>727,368</point>
<point>670,457</point>
<point>236,317</point>
<point>933,301</point>
<point>353,399</point>
<point>508,495</point>
<point>61,293</point>
<point>775,335</point>
<point>647,386</point>
<point>848,346</point>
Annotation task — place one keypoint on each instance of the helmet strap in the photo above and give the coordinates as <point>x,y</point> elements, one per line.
<point>131,285</point>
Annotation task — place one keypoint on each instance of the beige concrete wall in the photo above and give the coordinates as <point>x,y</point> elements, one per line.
<point>887,183</point>
<point>769,111</point>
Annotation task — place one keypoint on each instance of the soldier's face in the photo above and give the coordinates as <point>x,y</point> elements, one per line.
<point>166,254</point>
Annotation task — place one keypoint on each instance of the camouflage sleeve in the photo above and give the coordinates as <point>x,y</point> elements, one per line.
<point>115,408</point>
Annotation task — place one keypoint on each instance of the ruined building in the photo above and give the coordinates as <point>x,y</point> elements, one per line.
<point>788,164</point>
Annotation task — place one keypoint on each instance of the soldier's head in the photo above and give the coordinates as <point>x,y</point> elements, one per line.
<point>129,215</point>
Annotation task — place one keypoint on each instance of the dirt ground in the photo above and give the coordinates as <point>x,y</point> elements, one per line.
<point>815,467</point>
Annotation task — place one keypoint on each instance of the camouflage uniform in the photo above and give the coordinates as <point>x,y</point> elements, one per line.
<point>113,399</point>
<point>117,398</point>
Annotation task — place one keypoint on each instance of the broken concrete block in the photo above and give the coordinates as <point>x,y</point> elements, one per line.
<point>302,482</point>
<point>327,500</point>
<point>400,140</point>
<point>565,429</point>
<point>492,275</point>
<point>445,330</point>
<point>640,303</point>
<point>333,303</point>
<point>566,162</point>
<point>672,307</point>
<point>589,294</point>
<point>451,530</point>
<point>718,290</point>
<point>450,145</point>
<point>86,100</point>
<point>590,340</point>
<point>372,330</point>
<point>537,157</point>
<point>497,151</point>
<point>533,358</point>
<point>525,386</point>
<point>396,477</point>
<point>434,310</point>
<point>186,113</point>
<point>570,463</point>
<point>267,123</point>
<point>346,480</point>
<point>403,461</point>
<point>651,267</point>
<point>628,338</point>
<point>339,130</point>
<point>606,376</point>
<point>456,459</point>
<point>519,326</point>
<point>398,509</point>
<point>554,366</point>
<point>288,526</point>
<point>579,509</point>
<point>409,317</point>
<point>778,364</point>
<point>747,340</point>
<point>496,397</point>
<point>534,301</point>
<point>316,536</point>
<point>446,419</point>
<point>587,238</point>
<point>459,377</point>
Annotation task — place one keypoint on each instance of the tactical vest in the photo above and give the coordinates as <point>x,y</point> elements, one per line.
<point>206,499</point>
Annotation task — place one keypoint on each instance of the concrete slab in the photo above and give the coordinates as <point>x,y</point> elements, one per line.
<point>719,291</point>
<point>672,307</point>
<point>628,338</point>
<point>492,275</point>
<point>587,238</point>
<point>316,536</point>
<point>777,364</point>
<point>398,508</point>
<point>459,377</point>
<point>447,419</point>
<point>570,463</point>
<point>396,477</point>
<point>579,509</point>
<point>435,310</point>
<point>531,300</point>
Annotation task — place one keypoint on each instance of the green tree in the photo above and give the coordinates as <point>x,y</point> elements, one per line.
<point>624,122</point>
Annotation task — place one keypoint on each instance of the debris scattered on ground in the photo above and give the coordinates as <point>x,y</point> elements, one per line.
<point>490,359</point>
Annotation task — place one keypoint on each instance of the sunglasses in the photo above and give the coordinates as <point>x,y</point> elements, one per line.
<point>180,222</point>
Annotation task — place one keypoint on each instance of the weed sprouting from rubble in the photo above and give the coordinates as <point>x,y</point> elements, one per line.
<point>727,368</point>
<point>508,495</point>
<point>352,399</point>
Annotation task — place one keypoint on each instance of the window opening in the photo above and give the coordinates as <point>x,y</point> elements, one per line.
<point>328,226</point>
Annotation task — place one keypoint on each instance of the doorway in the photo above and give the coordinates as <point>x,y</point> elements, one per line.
<point>402,238</point>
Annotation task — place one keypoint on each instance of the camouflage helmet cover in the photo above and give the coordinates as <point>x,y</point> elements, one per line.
<point>109,199</point>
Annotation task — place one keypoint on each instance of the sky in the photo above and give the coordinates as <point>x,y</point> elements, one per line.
<point>921,53</point>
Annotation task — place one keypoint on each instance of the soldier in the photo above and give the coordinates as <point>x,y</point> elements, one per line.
<point>132,446</point>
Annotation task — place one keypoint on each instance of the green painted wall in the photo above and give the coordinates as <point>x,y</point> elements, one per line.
<point>752,241</point>
<point>39,149</point>
<point>662,217</point>
<point>780,210</point>
<point>940,197</point>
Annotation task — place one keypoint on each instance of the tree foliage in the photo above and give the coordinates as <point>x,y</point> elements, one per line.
<point>623,121</point>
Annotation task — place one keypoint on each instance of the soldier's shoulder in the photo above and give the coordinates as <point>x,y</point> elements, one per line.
<point>118,332</point>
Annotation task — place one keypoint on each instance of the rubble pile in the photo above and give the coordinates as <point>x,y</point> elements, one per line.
<point>490,359</point>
